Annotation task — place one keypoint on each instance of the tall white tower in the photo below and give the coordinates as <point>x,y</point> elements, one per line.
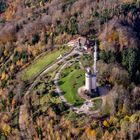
<point>88,80</point>
<point>95,58</point>
<point>90,77</point>
<point>94,68</point>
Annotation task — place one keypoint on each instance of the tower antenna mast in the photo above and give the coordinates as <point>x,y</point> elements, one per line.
<point>95,58</point>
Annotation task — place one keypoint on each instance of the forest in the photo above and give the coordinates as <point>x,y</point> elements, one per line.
<point>30,28</point>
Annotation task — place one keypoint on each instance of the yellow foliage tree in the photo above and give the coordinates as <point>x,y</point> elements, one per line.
<point>11,67</point>
<point>6,129</point>
<point>57,136</point>
<point>5,52</point>
<point>5,117</point>
<point>106,123</point>
<point>111,120</point>
<point>19,62</point>
<point>61,39</point>
<point>13,104</point>
<point>19,49</point>
<point>9,13</point>
<point>113,36</point>
<point>51,113</point>
<point>124,109</point>
<point>1,59</point>
<point>101,46</point>
<point>90,132</point>
<point>4,76</point>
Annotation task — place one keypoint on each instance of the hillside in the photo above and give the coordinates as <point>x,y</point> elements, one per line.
<point>34,36</point>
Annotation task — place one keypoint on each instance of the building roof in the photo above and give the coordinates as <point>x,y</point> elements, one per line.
<point>82,40</point>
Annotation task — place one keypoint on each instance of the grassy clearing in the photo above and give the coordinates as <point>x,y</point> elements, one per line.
<point>41,63</point>
<point>71,80</point>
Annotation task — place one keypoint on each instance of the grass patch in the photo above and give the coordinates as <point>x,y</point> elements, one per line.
<point>41,63</point>
<point>97,103</point>
<point>71,80</point>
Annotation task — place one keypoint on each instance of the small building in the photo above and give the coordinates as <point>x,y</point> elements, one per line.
<point>83,44</point>
<point>82,41</point>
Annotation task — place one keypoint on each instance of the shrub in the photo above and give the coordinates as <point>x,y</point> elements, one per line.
<point>73,26</point>
<point>2,7</point>
<point>35,39</point>
<point>46,37</point>
<point>130,60</point>
<point>107,57</point>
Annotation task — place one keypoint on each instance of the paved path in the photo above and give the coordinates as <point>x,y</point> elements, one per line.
<point>58,90</point>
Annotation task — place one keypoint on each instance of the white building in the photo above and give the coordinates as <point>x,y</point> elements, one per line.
<point>88,80</point>
<point>90,77</point>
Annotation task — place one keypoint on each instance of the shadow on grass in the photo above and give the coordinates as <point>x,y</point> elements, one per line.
<point>63,92</point>
<point>61,83</point>
<point>78,103</point>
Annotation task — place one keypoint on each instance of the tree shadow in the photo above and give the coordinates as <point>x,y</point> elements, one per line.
<point>103,90</point>
<point>61,82</point>
<point>63,92</point>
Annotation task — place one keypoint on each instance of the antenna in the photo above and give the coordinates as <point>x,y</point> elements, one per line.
<point>95,57</point>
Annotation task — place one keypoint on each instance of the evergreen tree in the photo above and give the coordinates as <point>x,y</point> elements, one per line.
<point>129,60</point>
<point>137,77</point>
<point>73,26</point>
<point>35,39</point>
<point>108,57</point>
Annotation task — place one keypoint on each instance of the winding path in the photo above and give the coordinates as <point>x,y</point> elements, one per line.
<point>87,104</point>
<point>58,90</point>
<point>25,134</point>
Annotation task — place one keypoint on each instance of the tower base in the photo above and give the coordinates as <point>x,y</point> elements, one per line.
<point>93,93</point>
<point>85,94</point>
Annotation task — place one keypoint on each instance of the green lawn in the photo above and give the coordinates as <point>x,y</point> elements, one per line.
<point>40,64</point>
<point>73,79</point>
